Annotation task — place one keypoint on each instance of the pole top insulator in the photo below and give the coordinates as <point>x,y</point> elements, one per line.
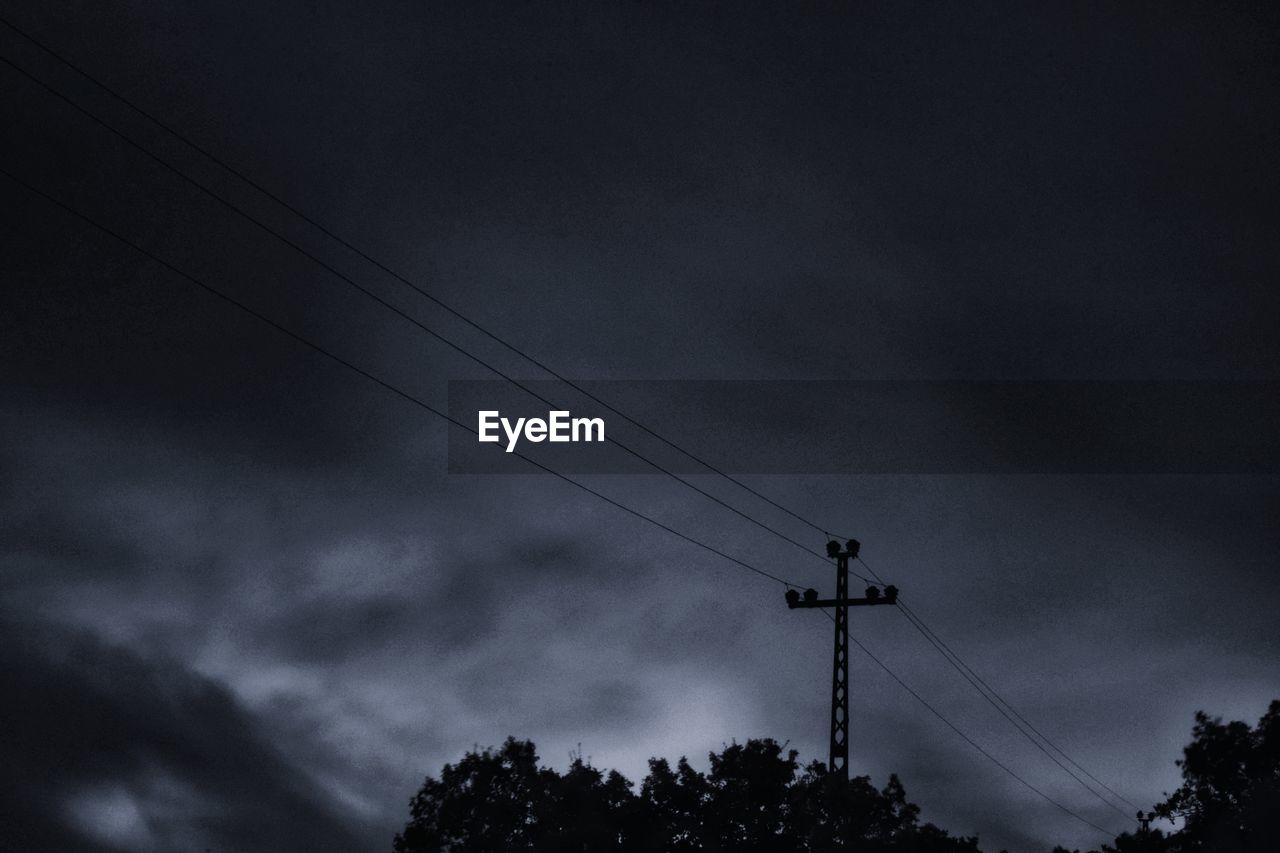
<point>833,548</point>
<point>852,547</point>
<point>891,593</point>
<point>810,595</point>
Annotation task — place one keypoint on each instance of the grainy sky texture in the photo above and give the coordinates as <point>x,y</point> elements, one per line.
<point>247,608</point>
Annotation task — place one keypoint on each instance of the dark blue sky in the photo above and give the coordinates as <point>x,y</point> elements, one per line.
<point>241,592</point>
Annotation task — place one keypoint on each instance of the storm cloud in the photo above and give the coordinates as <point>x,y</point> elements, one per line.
<point>248,607</point>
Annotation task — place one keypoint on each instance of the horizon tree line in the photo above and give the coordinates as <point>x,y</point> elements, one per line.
<point>756,798</point>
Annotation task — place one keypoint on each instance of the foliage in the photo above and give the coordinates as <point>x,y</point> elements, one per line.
<point>1230,793</point>
<point>753,799</point>
<point>757,799</point>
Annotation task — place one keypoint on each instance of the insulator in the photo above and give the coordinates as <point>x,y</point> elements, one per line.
<point>811,595</point>
<point>853,548</point>
<point>833,548</point>
<point>873,593</point>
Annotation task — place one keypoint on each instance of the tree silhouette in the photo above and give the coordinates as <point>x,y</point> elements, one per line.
<point>489,800</point>
<point>756,799</point>
<point>753,799</point>
<point>1230,792</point>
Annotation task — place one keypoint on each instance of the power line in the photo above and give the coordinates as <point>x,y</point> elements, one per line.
<point>431,409</point>
<point>987,692</point>
<point>974,743</point>
<point>967,671</point>
<point>371,377</point>
<point>916,621</point>
<point>396,275</point>
<point>384,303</point>
<point>379,300</point>
<point>1017,720</point>
<point>965,737</point>
<point>925,632</point>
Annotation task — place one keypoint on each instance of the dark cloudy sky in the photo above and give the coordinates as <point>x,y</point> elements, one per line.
<point>246,607</point>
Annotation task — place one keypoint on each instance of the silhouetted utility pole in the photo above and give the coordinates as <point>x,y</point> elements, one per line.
<point>839,761</point>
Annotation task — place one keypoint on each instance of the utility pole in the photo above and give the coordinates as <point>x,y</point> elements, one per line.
<point>839,761</point>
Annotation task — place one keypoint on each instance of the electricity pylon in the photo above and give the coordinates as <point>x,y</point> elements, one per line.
<point>839,761</point>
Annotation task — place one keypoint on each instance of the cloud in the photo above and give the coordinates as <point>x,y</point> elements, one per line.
<point>119,751</point>
<point>256,551</point>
